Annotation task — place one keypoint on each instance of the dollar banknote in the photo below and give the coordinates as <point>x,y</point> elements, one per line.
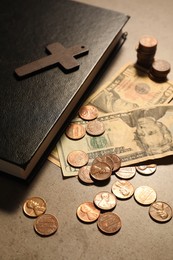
<point>135,136</point>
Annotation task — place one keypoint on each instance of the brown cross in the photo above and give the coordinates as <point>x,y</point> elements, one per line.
<point>58,55</point>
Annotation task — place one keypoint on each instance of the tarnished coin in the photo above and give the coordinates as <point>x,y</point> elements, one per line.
<point>84,174</point>
<point>109,222</point>
<point>145,195</point>
<point>95,127</point>
<point>77,158</point>
<point>122,189</point>
<point>75,131</point>
<point>100,171</point>
<point>105,200</point>
<point>104,158</point>
<point>147,42</point>
<point>146,169</point>
<point>116,160</point>
<point>126,172</point>
<point>160,211</point>
<point>88,112</point>
<point>34,207</point>
<point>87,212</point>
<point>46,225</point>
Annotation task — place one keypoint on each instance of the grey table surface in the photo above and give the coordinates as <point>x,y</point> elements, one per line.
<point>140,237</point>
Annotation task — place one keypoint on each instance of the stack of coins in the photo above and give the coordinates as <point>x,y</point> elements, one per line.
<point>146,51</point>
<point>159,70</point>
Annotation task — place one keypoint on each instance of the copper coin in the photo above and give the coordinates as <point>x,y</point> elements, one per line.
<point>145,195</point>
<point>109,222</point>
<point>75,131</point>
<point>87,212</point>
<point>160,211</point>
<point>34,207</point>
<point>105,200</point>
<point>126,172</point>
<point>100,171</point>
<point>46,225</point>
<point>88,112</point>
<point>104,158</point>
<point>77,158</point>
<point>146,169</point>
<point>84,174</point>
<point>116,160</point>
<point>161,67</point>
<point>147,42</point>
<point>95,127</point>
<point>122,189</point>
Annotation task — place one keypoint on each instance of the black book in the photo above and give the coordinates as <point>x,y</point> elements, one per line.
<point>50,52</point>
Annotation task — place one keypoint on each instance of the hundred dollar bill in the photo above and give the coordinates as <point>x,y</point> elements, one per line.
<point>130,88</point>
<point>135,136</point>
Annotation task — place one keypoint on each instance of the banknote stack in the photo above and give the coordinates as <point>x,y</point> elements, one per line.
<point>146,51</point>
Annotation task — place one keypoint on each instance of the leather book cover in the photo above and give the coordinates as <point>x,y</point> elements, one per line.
<point>50,53</point>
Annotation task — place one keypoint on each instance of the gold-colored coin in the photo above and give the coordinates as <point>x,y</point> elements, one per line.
<point>145,195</point>
<point>34,207</point>
<point>46,225</point>
<point>146,169</point>
<point>77,158</point>
<point>75,131</point>
<point>95,127</point>
<point>160,211</point>
<point>87,212</point>
<point>84,174</point>
<point>109,222</point>
<point>105,200</point>
<point>126,172</point>
<point>122,189</point>
<point>88,112</point>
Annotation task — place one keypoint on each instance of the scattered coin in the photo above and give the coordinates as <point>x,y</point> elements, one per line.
<point>46,225</point>
<point>84,174</point>
<point>104,158</point>
<point>88,112</point>
<point>160,211</point>
<point>126,172</point>
<point>105,200</point>
<point>34,207</point>
<point>146,169</point>
<point>116,160</point>
<point>100,171</point>
<point>95,127</point>
<point>77,158</point>
<point>122,189</point>
<point>75,131</point>
<point>87,212</point>
<point>109,222</point>
<point>145,195</point>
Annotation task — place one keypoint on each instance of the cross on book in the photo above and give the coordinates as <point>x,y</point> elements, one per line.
<point>58,55</point>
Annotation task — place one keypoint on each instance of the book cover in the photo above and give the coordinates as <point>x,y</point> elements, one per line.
<point>50,53</point>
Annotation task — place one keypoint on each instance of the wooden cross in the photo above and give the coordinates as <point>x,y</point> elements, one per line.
<point>58,55</point>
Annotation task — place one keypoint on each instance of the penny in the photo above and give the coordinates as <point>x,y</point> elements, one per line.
<point>95,127</point>
<point>147,42</point>
<point>161,67</point>
<point>105,200</point>
<point>100,171</point>
<point>126,172</point>
<point>77,158</point>
<point>116,161</point>
<point>87,212</point>
<point>145,195</point>
<point>46,225</point>
<point>84,174</point>
<point>122,189</point>
<point>34,207</point>
<point>109,222</point>
<point>88,112</point>
<point>146,169</point>
<point>160,211</point>
<point>75,131</point>
<point>104,158</point>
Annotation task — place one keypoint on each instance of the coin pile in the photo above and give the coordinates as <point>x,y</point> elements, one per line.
<point>159,70</point>
<point>146,51</point>
<point>44,224</point>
